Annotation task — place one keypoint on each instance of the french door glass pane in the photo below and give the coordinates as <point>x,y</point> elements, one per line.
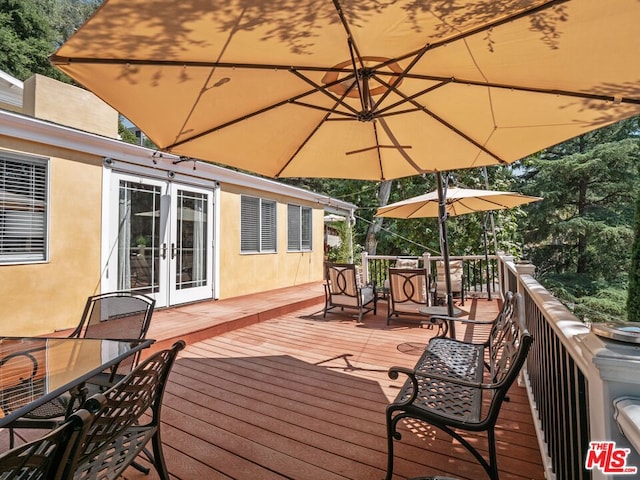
<point>191,268</point>
<point>138,237</point>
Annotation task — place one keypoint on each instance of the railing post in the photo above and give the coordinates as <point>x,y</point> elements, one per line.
<point>365,268</point>
<point>506,260</point>
<point>426,264</point>
<point>524,269</point>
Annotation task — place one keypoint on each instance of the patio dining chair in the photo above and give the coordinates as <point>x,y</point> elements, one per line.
<point>456,273</point>
<point>50,457</point>
<point>117,315</point>
<point>408,292</point>
<point>343,290</point>
<point>127,418</point>
<point>114,315</point>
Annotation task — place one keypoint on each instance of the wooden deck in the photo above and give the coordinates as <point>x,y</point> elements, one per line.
<point>292,395</point>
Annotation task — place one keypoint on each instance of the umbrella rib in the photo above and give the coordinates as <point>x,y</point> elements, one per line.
<point>354,52</point>
<point>326,109</point>
<point>345,24</point>
<point>255,113</point>
<point>410,97</point>
<point>404,73</point>
<point>324,89</point>
<point>306,140</point>
<point>523,88</point>
<point>58,60</point>
<point>448,125</point>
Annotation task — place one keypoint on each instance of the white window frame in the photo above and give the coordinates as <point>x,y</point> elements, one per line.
<point>33,203</point>
<point>297,239</point>
<point>262,223</point>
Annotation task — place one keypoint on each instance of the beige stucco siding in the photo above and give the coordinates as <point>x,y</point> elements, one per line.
<point>41,297</point>
<point>243,273</point>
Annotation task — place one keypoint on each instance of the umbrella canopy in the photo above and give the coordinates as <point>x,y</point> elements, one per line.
<point>359,89</point>
<point>459,201</point>
<point>452,201</point>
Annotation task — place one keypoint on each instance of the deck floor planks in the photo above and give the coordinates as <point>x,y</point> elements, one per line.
<point>306,406</point>
<point>302,397</point>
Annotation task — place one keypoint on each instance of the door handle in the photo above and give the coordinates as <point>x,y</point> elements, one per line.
<point>173,251</point>
<point>164,251</point>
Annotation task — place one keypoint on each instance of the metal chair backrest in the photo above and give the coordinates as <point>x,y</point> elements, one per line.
<point>343,279</point>
<point>20,381</point>
<point>408,285</point>
<point>456,274</point>
<point>50,457</point>
<point>117,315</point>
<point>119,433</point>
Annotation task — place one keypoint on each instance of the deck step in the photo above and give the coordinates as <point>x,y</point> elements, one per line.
<point>198,321</point>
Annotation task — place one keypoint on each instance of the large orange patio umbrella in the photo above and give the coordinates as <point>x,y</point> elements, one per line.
<point>359,89</point>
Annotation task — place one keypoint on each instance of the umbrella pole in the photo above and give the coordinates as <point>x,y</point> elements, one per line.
<point>486,255</point>
<point>444,246</point>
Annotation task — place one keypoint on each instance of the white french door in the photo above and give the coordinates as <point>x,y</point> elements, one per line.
<point>161,239</point>
<point>191,242</point>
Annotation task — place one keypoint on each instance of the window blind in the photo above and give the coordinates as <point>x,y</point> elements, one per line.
<point>23,209</point>
<point>258,225</point>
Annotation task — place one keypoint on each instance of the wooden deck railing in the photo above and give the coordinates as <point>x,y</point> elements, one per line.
<point>481,276</point>
<point>556,378</point>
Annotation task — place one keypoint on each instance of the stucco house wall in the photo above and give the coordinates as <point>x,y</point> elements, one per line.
<point>244,273</point>
<point>45,296</point>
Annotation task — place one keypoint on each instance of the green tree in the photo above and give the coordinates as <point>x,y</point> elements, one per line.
<point>27,38</point>
<point>633,293</point>
<point>31,30</point>
<point>583,225</point>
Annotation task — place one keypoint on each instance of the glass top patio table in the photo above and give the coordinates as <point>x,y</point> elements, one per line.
<point>34,370</point>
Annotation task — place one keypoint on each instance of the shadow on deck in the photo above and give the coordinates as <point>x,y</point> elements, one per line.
<point>268,389</point>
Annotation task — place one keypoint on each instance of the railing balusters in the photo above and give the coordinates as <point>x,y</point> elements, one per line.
<point>559,391</point>
<point>475,270</point>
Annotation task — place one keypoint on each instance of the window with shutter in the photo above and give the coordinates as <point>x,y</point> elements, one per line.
<point>293,227</point>
<point>23,209</point>
<point>299,231</point>
<point>258,225</point>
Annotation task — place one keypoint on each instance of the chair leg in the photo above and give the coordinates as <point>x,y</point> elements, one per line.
<point>158,457</point>
<point>493,460</point>
<point>140,468</point>
<point>391,436</point>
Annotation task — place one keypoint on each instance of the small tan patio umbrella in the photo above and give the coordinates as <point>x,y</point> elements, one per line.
<point>456,201</point>
<point>459,201</point>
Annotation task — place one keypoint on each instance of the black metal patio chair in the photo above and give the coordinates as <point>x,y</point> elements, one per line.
<point>50,457</point>
<point>127,418</point>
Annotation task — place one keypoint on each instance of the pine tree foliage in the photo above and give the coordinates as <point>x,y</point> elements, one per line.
<point>633,294</point>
